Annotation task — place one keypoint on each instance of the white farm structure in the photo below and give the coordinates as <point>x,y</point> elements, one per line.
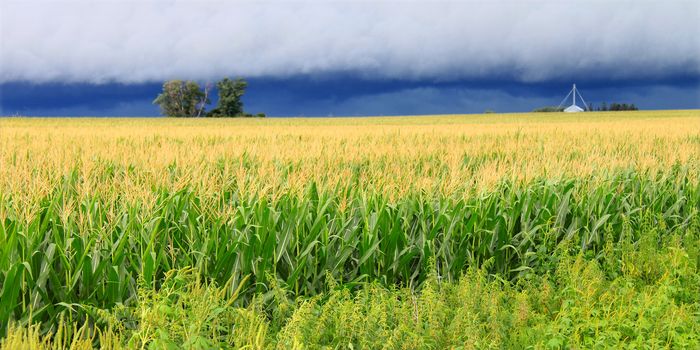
<point>573,108</point>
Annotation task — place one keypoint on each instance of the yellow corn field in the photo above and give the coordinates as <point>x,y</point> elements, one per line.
<point>446,155</point>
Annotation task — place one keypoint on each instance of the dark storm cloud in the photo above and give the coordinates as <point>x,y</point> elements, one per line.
<point>524,41</point>
<point>344,95</point>
<point>59,99</point>
<point>312,97</point>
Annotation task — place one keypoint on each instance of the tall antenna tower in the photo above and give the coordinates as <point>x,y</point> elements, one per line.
<point>573,108</point>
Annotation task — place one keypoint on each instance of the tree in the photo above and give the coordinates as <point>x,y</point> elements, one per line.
<point>204,101</point>
<point>615,106</point>
<point>182,99</point>
<point>230,93</point>
<point>548,109</point>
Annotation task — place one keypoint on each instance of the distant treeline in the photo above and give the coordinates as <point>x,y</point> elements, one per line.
<point>614,107</point>
<point>603,107</point>
<point>186,99</point>
<point>549,109</point>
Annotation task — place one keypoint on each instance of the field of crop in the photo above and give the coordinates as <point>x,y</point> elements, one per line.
<point>485,231</point>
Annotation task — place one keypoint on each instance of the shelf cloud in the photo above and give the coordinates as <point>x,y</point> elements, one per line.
<point>525,41</point>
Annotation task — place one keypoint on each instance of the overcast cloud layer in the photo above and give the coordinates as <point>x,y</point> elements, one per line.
<point>527,41</point>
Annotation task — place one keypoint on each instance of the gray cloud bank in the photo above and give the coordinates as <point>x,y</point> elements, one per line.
<point>527,41</point>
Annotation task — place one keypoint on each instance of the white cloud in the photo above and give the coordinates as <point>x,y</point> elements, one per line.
<point>138,41</point>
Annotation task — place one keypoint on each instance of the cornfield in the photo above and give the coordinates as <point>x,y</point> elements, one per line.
<point>483,231</point>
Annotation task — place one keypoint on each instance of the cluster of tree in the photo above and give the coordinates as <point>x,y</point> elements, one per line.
<point>614,107</point>
<point>549,109</point>
<point>602,107</point>
<point>187,99</point>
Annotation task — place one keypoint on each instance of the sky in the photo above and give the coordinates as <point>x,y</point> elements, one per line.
<point>348,58</point>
